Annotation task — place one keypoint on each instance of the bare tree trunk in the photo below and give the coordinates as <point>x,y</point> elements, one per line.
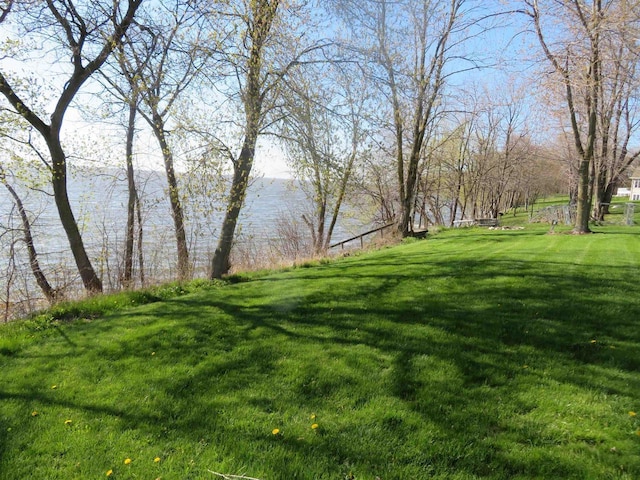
<point>127,274</point>
<point>320,203</point>
<point>341,194</point>
<point>583,204</point>
<point>9,274</point>
<point>264,13</point>
<point>174,199</point>
<point>87,273</point>
<point>221,264</point>
<point>321,218</point>
<point>48,291</point>
<point>140,235</point>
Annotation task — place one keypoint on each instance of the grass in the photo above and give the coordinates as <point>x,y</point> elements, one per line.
<point>474,354</point>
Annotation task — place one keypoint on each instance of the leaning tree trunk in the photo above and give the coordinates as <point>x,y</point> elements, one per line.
<point>221,264</point>
<point>41,279</point>
<point>346,176</point>
<point>253,97</point>
<point>87,273</point>
<point>174,198</point>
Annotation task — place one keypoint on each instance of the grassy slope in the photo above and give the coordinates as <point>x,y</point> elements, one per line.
<point>473,354</point>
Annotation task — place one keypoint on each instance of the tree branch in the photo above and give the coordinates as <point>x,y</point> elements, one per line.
<point>29,115</point>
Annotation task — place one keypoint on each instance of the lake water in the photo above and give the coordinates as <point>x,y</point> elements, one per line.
<point>99,203</point>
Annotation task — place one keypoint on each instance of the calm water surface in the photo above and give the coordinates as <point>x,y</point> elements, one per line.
<point>99,204</point>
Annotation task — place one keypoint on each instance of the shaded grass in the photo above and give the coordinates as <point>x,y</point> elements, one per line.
<point>473,354</point>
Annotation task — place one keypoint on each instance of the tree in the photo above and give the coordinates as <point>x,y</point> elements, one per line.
<point>618,119</point>
<point>450,160</point>
<point>133,200</point>
<point>15,147</point>
<point>576,59</point>
<point>159,63</point>
<point>89,33</point>
<point>49,292</point>
<point>324,134</point>
<point>257,50</point>
<point>413,44</point>
<point>592,49</point>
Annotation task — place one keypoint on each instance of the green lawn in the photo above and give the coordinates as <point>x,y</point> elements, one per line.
<point>471,354</point>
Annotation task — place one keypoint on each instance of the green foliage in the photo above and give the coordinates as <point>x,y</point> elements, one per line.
<point>472,354</point>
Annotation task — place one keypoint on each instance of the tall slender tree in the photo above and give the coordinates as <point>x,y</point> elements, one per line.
<point>324,135</point>
<point>49,292</point>
<point>261,42</point>
<point>160,62</point>
<point>576,60</point>
<point>412,45</point>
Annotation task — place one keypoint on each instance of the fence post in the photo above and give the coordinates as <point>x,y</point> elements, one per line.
<point>629,210</point>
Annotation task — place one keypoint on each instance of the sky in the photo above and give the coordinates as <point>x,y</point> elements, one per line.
<point>270,159</point>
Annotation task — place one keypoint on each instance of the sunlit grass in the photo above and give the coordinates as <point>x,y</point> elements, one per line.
<point>472,354</point>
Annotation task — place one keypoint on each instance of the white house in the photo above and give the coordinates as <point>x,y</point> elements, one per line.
<point>634,194</point>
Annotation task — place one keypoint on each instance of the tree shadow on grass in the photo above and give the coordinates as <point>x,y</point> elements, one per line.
<point>342,340</point>
<point>560,319</point>
<point>487,347</point>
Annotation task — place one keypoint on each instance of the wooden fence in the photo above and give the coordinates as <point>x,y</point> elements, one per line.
<point>362,235</point>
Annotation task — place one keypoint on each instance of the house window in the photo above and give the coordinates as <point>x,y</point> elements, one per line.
<point>636,184</point>
<point>636,196</point>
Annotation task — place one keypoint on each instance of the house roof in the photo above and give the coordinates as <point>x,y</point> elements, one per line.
<point>635,173</point>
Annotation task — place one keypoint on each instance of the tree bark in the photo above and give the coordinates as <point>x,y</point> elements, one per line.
<point>140,249</point>
<point>127,274</point>
<point>263,12</point>
<point>48,291</point>
<point>184,270</point>
<point>221,264</point>
<point>90,279</point>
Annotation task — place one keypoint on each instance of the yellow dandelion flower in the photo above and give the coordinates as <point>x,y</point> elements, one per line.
<point>156,460</point>
<point>632,414</point>
<point>313,416</point>
<point>34,414</point>
<point>153,353</point>
<point>127,461</point>
<point>275,431</point>
<point>68,422</point>
<point>593,341</point>
<point>109,473</point>
<point>314,426</point>
<point>638,432</point>
<point>53,387</point>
